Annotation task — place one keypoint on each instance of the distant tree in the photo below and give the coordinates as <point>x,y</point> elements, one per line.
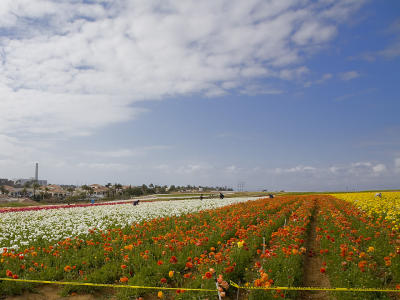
<point>117,188</point>
<point>87,188</point>
<point>136,191</point>
<point>35,187</point>
<point>3,190</point>
<point>70,190</point>
<point>108,185</point>
<point>145,189</point>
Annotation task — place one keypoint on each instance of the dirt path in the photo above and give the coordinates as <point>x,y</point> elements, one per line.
<point>312,265</point>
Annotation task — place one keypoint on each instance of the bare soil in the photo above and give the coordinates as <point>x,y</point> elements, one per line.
<point>312,265</point>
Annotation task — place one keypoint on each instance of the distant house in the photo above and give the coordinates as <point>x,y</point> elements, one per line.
<point>18,192</point>
<point>11,191</point>
<point>99,190</point>
<point>54,190</point>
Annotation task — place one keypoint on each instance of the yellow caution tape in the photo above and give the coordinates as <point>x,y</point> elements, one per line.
<point>107,285</point>
<point>204,290</point>
<point>313,288</point>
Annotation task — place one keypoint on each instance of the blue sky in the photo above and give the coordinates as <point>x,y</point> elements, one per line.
<point>293,95</point>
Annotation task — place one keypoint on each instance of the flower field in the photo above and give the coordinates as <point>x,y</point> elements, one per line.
<point>388,206</point>
<point>194,244</point>
<point>22,226</point>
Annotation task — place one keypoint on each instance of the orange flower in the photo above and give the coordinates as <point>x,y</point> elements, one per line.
<point>124,279</point>
<point>160,294</point>
<point>189,265</point>
<point>207,275</point>
<point>123,266</point>
<point>129,247</point>
<point>67,268</point>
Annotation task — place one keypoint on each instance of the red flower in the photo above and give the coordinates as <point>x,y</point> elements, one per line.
<point>322,270</point>
<point>173,260</point>
<point>160,262</point>
<point>163,280</point>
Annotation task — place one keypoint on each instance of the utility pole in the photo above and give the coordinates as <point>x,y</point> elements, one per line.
<point>240,186</point>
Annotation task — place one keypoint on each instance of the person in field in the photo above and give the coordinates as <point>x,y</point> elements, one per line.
<point>378,195</point>
<point>201,197</point>
<point>221,196</point>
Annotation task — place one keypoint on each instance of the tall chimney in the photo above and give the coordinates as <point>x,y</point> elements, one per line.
<point>37,172</point>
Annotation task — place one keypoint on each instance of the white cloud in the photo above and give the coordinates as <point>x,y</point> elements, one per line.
<point>379,168</point>
<point>391,51</point>
<point>103,166</point>
<point>359,169</point>
<point>324,78</point>
<point>296,169</point>
<point>314,32</point>
<point>120,153</point>
<point>397,164</point>
<point>254,89</point>
<point>349,75</point>
<point>232,169</point>
<point>290,74</point>
<point>89,62</point>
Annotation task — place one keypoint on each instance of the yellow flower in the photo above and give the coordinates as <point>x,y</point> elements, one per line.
<point>171,274</point>
<point>371,249</point>
<point>240,244</point>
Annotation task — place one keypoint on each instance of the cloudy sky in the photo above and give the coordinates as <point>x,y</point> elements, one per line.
<point>278,94</point>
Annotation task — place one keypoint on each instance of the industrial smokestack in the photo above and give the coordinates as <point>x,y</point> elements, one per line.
<point>37,172</point>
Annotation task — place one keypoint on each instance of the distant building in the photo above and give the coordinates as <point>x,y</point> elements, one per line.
<point>5,181</point>
<point>54,190</point>
<point>18,192</point>
<point>23,181</point>
<point>99,190</point>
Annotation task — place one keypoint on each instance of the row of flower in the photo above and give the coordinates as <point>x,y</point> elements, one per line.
<point>386,205</point>
<point>22,228</point>
<point>357,249</point>
<point>186,251</point>
<point>47,207</point>
<point>281,261</point>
